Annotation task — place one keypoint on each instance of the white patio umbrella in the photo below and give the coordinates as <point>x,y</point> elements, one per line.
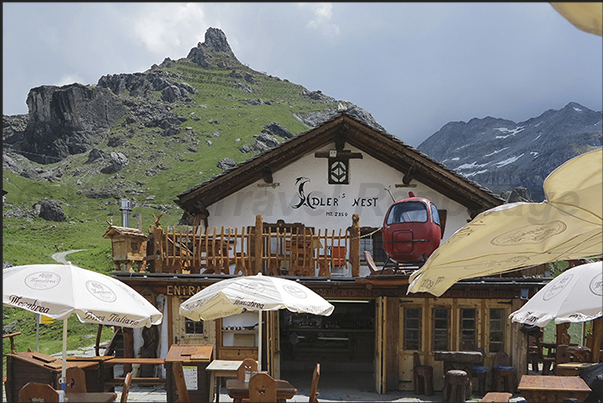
<point>576,295</point>
<point>567,225</point>
<point>253,293</point>
<point>59,290</point>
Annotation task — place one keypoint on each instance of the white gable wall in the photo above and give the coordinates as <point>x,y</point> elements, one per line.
<point>304,195</point>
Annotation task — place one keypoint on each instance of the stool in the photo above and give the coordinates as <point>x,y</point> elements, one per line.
<point>456,386</point>
<point>422,377</point>
<point>480,372</point>
<point>503,379</point>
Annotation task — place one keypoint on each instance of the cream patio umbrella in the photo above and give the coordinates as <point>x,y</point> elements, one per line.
<point>60,290</point>
<point>253,293</point>
<point>586,16</point>
<point>567,225</point>
<point>576,295</point>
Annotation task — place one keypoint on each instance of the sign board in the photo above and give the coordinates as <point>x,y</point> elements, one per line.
<point>190,377</point>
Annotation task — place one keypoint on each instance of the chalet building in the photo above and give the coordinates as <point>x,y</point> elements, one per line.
<point>307,210</point>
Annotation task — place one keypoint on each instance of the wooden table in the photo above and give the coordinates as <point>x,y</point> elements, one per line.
<point>91,397</point>
<point>196,358</point>
<point>26,366</point>
<point>550,388</point>
<point>463,360</point>
<point>221,369</point>
<point>239,390</point>
<point>571,368</point>
<point>497,397</point>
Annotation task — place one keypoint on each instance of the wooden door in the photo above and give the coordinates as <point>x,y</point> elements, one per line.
<point>186,331</point>
<point>413,337</point>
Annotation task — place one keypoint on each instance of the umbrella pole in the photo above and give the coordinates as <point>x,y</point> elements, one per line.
<point>64,366</point>
<point>260,341</point>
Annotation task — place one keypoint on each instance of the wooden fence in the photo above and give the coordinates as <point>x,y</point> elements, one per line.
<point>273,249</point>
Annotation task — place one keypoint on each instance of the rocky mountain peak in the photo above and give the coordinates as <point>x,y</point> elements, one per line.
<point>215,42</point>
<point>501,154</point>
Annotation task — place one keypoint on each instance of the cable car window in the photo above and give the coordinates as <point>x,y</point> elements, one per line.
<point>407,212</point>
<point>435,216</point>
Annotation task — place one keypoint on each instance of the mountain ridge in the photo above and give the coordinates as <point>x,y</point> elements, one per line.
<point>501,154</point>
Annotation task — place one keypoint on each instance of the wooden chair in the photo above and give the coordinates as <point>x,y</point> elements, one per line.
<point>38,392</point>
<point>373,267</point>
<point>248,364</point>
<point>180,383</point>
<point>547,360</point>
<point>336,260</point>
<point>75,381</point>
<point>314,387</point>
<point>422,376</point>
<point>262,388</point>
<point>561,356</point>
<point>534,352</point>
<point>126,389</point>
<point>503,374</point>
<point>301,254</point>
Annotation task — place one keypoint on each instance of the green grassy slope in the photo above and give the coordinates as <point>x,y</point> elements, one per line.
<point>219,106</point>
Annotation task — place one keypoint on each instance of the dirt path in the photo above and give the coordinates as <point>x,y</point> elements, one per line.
<point>61,257</point>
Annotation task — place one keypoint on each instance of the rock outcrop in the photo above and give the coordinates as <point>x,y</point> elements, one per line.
<point>67,120</point>
<point>207,54</point>
<point>50,210</point>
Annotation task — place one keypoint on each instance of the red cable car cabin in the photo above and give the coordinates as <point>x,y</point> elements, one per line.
<point>411,230</point>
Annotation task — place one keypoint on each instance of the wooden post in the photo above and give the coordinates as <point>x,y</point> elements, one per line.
<point>355,245</point>
<point>98,339</point>
<point>157,248</point>
<point>128,338</point>
<point>597,339</point>
<point>563,337</point>
<point>259,244</point>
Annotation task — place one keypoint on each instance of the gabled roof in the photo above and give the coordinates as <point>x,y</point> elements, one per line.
<point>381,145</point>
<point>124,231</point>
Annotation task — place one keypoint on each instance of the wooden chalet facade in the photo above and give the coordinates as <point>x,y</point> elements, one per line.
<point>307,210</point>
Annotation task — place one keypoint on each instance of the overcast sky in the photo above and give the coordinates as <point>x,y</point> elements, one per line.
<point>413,66</point>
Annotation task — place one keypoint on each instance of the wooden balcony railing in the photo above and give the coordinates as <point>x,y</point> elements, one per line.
<point>274,249</point>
